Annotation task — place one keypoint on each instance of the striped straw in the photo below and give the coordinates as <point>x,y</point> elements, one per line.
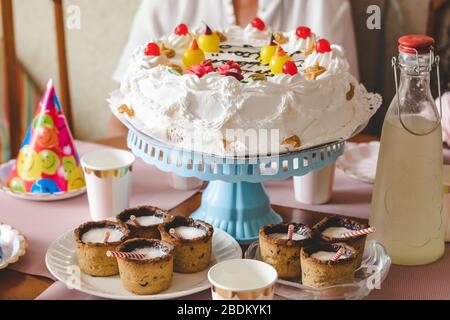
<point>358,233</point>
<point>129,255</point>
<point>338,254</point>
<point>290,231</point>
<point>106,236</point>
<point>135,221</point>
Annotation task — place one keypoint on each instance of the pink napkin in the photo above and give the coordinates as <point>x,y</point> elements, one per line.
<point>43,222</point>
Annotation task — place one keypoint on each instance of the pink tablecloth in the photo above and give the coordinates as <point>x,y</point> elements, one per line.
<point>350,197</point>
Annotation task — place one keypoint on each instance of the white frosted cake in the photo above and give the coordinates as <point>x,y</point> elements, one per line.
<point>288,91</point>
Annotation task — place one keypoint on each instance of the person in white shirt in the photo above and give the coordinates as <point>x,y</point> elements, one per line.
<point>331,19</point>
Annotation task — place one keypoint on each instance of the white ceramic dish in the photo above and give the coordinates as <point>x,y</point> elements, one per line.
<point>12,244</point>
<point>61,261</point>
<point>374,269</point>
<point>5,170</point>
<point>359,160</point>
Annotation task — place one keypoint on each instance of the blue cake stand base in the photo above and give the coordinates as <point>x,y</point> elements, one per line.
<point>238,208</point>
<point>235,199</point>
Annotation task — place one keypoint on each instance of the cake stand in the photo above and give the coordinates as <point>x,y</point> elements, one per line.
<point>235,199</point>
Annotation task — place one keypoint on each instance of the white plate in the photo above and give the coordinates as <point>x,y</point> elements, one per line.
<point>61,261</point>
<point>373,271</point>
<point>12,244</point>
<point>5,171</point>
<point>359,160</point>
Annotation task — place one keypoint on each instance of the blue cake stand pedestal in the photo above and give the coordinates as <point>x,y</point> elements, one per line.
<point>235,199</point>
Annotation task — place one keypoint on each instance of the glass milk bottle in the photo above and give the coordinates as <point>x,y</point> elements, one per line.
<point>407,198</point>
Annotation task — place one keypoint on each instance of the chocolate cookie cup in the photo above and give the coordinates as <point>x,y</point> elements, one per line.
<point>357,243</point>
<point>92,257</point>
<point>144,230</point>
<point>193,254</point>
<point>281,253</point>
<point>325,272</point>
<point>147,276</point>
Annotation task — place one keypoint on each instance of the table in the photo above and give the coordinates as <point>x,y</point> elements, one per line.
<point>16,285</point>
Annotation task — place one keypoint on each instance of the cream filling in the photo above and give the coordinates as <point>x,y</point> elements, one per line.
<point>189,232</point>
<point>146,221</point>
<point>335,232</point>
<point>96,235</point>
<point>149,252</point>
<point>325,256</point>
<point>284,236</point>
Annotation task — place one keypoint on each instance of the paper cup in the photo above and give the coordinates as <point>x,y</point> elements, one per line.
<point>242,279</point>
<point>108,181</point>
<point>315,187</point>
<point>182,183</point>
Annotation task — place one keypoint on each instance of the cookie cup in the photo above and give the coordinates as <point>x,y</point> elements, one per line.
<point>92,258</point>
<point>147,276</point>
<point>191,255</point>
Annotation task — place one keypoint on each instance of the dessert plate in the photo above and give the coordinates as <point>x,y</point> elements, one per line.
<point>5,170</point>
<point>61,261</point>
<point>359,160</point>
<point>374,269</point>
<point>12,245</point>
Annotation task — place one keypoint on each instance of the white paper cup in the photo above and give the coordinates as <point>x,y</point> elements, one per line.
<point>182,183</point>
<point>108,181</point>
<point>315,187</point>
<point>242,279</point>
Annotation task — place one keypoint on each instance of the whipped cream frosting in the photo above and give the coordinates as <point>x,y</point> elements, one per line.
<point>205,109</point>
<point>335,232</point>
<point>96,235</point>
<point>177,41</point>
<point>186,232</point>
<point>298,44</point>
<point>147,221</point>
<point>147,61</point>
<point>284,236</point>
<point>252,33</point>
<point>326,255</point>
<point>150,252</point>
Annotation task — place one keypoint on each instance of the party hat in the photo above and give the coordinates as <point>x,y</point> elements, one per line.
<point>48,161</point>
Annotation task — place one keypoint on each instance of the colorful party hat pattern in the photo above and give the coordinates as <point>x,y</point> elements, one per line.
<point>48,161</point>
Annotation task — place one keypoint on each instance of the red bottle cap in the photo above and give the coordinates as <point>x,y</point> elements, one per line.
<point>412,42</point>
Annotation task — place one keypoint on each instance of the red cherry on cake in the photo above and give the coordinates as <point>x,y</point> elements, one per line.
<point>258,24</point>
<point>182,29</point>
<point>323,46</point>
<point>152,49</point>
<point>303,32</point>
<point>290,68</point>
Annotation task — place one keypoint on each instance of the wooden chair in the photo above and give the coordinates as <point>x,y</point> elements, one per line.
<point>12,69</point>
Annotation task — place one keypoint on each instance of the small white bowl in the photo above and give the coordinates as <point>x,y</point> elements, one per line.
<point>242,279</point>
<point>13,245</point>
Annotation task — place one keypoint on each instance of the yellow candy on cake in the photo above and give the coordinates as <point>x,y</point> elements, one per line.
<point>209,41</point>
<point>278,60</point>
<point>268,51</point>
<point>192,55</point>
